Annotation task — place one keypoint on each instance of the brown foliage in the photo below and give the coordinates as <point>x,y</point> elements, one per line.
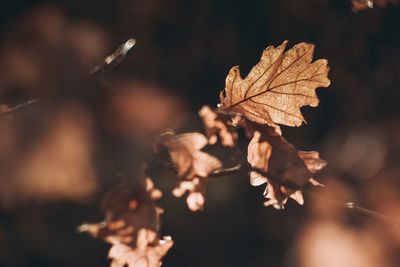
<point>216,126</point>
<point>276,88</point>
<point>148,252</point>
<point>286,169</point>
<point>131,226</point>
<point>272,94</point>
<point>193,165</point>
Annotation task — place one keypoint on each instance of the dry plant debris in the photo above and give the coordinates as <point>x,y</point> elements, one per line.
<point>131,226</point>
<point>271,95</point>
<point>276,88</point>
<point>193,165</point>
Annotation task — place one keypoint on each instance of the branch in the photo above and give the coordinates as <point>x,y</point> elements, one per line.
<point>240,167</point>
<point>108,63</point>
<point>112,60</point>
<point>245,167</point>
<point>225,171</point>
<point>18,107</point>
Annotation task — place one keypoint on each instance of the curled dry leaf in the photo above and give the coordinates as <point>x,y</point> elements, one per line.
<point>276,88</point>
<point>196,189</point>
<point>258,156</point>
<point>193,165</point>
<point>154,192</point>
<point>279,164</point>
<point>217,126</point>
<point>148,252</point>
<point>131,225</point>
<point>128,208</point>
<point>186,155</point>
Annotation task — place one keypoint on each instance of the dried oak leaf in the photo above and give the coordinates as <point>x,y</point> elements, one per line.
<point>277,163</point>
<point>131,225</point>
<point>217,125</point>
<point>276,88</point>
<point>148,252</point>
<point>193,165</point>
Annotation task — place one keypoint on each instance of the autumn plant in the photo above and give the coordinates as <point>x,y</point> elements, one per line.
<point>271,95</point>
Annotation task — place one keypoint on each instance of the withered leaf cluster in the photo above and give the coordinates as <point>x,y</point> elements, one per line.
<point>217,126</point>
<point>131,226</point>
<point>271,95</point>
<point>277,163</point>
<point>193,165</point>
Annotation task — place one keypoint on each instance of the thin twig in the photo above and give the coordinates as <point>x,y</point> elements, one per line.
<point>18,107</point>
<point>113,59</point>
<point>109,62</point>
<point>354,207</point>
<point>225,171</point>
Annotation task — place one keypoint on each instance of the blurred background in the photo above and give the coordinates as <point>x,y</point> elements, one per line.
<point>59,156</point>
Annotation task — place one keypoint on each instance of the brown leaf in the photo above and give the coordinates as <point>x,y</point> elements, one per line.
<point>258,156</point>
<point>277,86</point>
<point>196,189</point>
<point>193,165</point>
<point>278,163</point>
<point>148,252</point>
<point>128,208</point>
<point>217,126</point>
<point>154,192</point>
<point>185,152</point>
<point>131,225</point>
<point>311,159</point>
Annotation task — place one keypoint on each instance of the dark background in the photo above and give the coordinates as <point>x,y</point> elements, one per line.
<point>185,49</point>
